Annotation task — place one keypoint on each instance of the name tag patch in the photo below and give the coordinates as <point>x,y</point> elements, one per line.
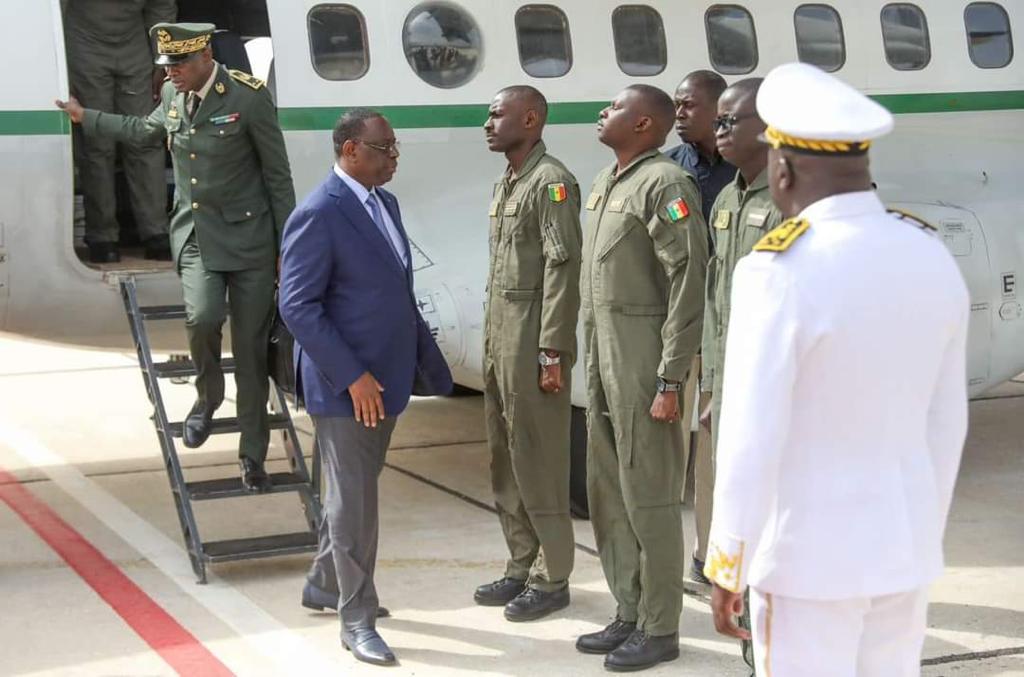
<point>616,205</point>
<point>757,217</point>
<point>593,200</point>
<point>493,211</point>
<point>723,218</point>
<point>511,208</point>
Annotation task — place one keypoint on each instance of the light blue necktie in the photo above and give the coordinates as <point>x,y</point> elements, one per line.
<point>378,219</point>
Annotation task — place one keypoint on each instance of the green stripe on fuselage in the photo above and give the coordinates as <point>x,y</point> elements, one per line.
<point>26,123</point>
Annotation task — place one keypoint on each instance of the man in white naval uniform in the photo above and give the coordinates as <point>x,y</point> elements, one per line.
<point>845,405</point>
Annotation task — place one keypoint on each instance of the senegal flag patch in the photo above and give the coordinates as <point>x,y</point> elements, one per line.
<point>556,192</point>
<point>677,210</point>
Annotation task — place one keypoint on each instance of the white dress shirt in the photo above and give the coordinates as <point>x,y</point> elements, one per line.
<point>844,409</point>
<point>364,196</point>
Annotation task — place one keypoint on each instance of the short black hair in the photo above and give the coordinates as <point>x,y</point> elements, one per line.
<point>531,95</point>
<point>351,125</point>
<point>709,81</point>
<point>656,103</point>
<point>746,88</point>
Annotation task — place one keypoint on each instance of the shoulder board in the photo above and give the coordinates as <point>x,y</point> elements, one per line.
<point>911,218</point>
<point>246,79</point>
<point>782,238</point>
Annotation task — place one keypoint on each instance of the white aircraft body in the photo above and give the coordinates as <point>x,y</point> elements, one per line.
<point>959,134</point>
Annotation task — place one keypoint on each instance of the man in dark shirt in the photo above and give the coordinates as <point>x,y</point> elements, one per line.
<point>696,101</point>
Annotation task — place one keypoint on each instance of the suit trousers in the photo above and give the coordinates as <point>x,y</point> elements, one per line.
<point>860,637</point>
<point>353,458</point>
<point>250,295</point>
<point>117,79</point>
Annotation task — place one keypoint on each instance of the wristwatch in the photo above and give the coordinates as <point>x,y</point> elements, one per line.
<point>668,386</point>
<point>548,361</point>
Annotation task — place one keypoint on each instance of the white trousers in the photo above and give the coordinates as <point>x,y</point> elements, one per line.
<point>860,637</point>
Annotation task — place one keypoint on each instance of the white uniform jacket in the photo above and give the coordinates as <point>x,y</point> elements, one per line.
<point>844,408</point>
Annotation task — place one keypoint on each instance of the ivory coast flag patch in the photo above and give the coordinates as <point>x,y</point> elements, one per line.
<point>677,210</point>
<point>556,192</point>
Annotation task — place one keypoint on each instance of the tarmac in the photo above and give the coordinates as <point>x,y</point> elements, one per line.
<point>94,579</point>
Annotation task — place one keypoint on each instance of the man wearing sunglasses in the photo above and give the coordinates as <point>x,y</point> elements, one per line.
<point>742,215</point>
<point>233,194</point>
<point>361,349</point>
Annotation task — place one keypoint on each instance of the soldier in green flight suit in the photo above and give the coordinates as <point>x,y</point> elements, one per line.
<point>233,195</point>
<point>110,68</point>
<point>742,214</point>
<point>532,306</point>
<point>645,253</point>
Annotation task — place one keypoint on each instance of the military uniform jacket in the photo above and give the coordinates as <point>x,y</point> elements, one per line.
<point>845,407</point>
<point>645,253</point>
<point>233,184</point>
<point>533,286</point>
<point>740,217</point>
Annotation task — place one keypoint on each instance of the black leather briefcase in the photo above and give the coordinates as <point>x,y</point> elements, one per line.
<point>280,364</point>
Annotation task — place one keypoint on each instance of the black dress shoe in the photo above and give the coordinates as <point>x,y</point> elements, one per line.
<point>254,477</point>
<point>366,645</point>
<point>318,599</point>
<point>642,651</point>
<point>609,639</point>
<point>697,572</point>
<point>196,428</point>
<point>500,592</point>
<point>158,248</point>
<point>532,604</point>
<point>103,252</point>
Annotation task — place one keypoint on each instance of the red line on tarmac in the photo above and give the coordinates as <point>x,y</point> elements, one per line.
<point>176,645</point>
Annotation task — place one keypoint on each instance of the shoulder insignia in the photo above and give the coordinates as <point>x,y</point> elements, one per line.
<point>782,238</point>
<point>913,219</point>
<point>557,192</point>
<point>246,79</point>
<point>220,88</point>
<point>677,210</point>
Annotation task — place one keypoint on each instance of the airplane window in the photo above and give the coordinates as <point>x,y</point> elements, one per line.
<point>545,48</point>
<point>442,44</point>
<point>819,37</point>
<point>988,35</point>
<point>639,40</point>
<point>732,43</point>
<point>337,42</point>
<point>905,33</point>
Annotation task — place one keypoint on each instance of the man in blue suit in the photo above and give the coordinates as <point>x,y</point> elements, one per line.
<point>361,350</point>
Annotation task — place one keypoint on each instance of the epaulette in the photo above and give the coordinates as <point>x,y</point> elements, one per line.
<point>782,238</point>
<point>912,218</point>
<point>246,79</point>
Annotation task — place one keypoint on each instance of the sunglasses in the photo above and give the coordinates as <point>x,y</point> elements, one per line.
<point>725,123</point>
<point>386,148</point>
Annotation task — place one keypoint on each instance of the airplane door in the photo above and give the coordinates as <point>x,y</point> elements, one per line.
<point>962,233</point>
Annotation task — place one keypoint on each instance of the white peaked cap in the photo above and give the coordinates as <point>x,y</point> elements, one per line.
<point>808,110</point>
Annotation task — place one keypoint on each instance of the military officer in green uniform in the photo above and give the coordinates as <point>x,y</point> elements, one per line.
<point>110,68</point>
<point>645,253</point>
<point>529,349</point>
<point>233,194</point>
<point>742,214</point>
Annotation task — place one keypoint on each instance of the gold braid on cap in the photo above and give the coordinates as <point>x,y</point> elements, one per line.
<point>165,45</point>
<point>777,139</point>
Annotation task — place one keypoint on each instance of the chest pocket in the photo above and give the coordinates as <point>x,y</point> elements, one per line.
<point>617,222</point>
<point>225,131</point>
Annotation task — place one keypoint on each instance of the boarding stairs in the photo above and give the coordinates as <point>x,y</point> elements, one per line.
<point>186,492</point>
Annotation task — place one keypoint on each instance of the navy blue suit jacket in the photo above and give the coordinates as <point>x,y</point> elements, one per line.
<point>349,304</point>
